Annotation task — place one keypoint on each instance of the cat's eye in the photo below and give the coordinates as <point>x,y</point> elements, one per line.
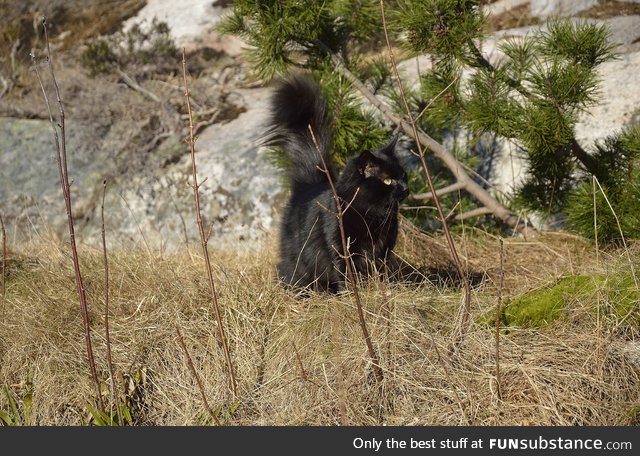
<point>387,181</point>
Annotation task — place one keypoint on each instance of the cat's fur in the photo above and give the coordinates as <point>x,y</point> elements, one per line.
<point>371,186</point>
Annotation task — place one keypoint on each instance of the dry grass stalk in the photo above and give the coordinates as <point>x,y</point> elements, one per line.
<point>624,242</point>
<point>351,276</point>
<point>4,264</point>
<point>340,389</point>
<point>498,308</point>
<point>114,386</point>
<point>548,374</point>
<point>63,173</point>
<point>466,310</point>
<point>192,368</point>
<point>203,236</point>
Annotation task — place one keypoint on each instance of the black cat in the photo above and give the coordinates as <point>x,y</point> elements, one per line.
<point>371,187</point>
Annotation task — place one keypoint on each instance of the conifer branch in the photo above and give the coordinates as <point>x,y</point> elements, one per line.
<point>587,160</point>
<point>456,168</point>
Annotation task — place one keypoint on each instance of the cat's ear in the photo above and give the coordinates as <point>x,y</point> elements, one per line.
<point>389,148</point>
<point>367,163</point>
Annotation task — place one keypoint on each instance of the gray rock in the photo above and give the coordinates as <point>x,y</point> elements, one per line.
<point>239,190</point>
<point>546,8</point>
<point>29,184</point>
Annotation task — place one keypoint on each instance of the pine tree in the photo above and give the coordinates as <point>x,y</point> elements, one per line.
<point>531,97</point>
<point>616,209</point>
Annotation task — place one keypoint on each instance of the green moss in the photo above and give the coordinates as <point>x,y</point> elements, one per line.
<point>542,306</point>
<point>545,305</point>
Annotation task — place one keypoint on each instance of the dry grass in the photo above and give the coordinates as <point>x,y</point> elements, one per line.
<point>575,372</point>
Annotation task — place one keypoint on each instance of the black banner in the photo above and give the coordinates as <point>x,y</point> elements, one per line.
<point>325,440</point>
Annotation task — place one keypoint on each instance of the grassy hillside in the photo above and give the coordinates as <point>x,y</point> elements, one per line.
<point>304,361</point>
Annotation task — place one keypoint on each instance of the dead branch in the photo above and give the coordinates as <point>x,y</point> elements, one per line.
<point>421,155</point>
<point>351,276</point>
<point>472,213</point>
<point>63,173</point>
<point>5,86</point>
<point>171,113</point>
<point>441,191</point>
<point>128,80</point>
<point>203,236</point>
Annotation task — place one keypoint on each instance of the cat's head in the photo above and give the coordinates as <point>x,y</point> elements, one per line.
<point>380,178</point>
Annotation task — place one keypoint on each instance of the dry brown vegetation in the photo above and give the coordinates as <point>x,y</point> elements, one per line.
<point>289,353</point>
<point>304,361</point>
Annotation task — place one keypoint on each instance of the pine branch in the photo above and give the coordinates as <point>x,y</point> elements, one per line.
<point>456,168</point>
<point>587,160</point>
<point>482,62</point>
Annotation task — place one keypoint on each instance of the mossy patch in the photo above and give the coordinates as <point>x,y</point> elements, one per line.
<point>617,294</point>
<point>545,305</point>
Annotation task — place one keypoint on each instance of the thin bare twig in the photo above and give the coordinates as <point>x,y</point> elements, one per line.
<point>421,155</point>
<point>351,276</point>
<point>63,173</point>
<point>112,372</point>
<point>192,368</point>
<point>498,309</point>
<point>203,235</point>
<point>4,265</point>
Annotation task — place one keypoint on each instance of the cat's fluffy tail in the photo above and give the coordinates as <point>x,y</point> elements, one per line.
<point>297,104</point>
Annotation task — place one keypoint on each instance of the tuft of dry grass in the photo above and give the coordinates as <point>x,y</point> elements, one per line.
<point>285,349</point>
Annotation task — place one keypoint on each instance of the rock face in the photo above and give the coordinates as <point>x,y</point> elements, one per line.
<point>237,198</point>
<point>546,8</point>
<point>153,205</point>
<point>29,184</point>
<point>111,134</point>
<point>118,133</point>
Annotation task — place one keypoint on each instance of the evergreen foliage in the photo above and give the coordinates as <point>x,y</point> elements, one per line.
<point>531,97</point>
<point>618,159</point>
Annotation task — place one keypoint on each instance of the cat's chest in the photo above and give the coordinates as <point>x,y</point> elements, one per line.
<point>369,235</point>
